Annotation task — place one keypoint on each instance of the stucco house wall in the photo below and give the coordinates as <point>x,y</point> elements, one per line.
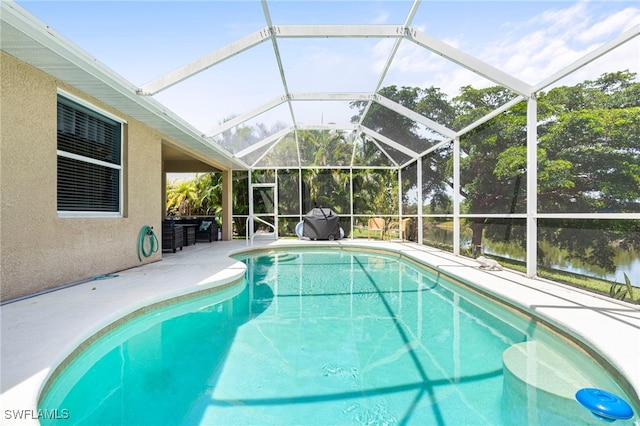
<point>38,249</point>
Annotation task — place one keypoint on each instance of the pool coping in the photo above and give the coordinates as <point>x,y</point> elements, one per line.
<point>39,333</point>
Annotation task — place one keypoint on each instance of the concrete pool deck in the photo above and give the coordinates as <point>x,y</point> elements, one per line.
<point>39,332</point>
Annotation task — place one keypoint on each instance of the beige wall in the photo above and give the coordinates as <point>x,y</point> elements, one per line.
<point>38,249</point>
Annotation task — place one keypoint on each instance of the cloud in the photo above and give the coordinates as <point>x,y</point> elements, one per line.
<point>564,21</point>
<point>611,26</point>
<point>556,38</point>
<point>410,57</point>
<point>381,18</point>
<point>531,50</point>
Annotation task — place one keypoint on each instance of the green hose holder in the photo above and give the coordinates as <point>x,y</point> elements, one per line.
<point>147,231</point>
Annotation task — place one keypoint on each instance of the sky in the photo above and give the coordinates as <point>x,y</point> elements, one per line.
<point>143,40</point>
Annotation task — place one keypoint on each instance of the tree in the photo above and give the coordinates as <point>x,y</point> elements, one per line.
<point>588,152</point>
<point>492,180</point>
<point>430,102</point>
<point>595,128</point>
<point>209,189</point>
<point>179,193</point>
<point>375,192</point>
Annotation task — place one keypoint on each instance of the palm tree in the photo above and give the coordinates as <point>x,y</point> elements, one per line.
<point>183,193</point>
<point>209,189</point>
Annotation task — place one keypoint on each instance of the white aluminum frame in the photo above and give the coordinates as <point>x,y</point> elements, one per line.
<point>524,91</point>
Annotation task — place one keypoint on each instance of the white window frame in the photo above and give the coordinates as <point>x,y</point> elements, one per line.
<point>120,167</point>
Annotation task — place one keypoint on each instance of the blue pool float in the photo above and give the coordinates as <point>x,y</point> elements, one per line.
<point>604,405</point>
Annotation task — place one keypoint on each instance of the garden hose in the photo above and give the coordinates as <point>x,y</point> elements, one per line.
<point>147,231</point>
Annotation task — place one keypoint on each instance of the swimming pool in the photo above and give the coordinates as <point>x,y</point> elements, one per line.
<point>324,337</point>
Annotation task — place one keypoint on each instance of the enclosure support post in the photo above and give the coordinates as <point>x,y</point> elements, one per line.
<point>532,185</point>
<point>419,184</point>
<point>300,206</point>
<point>249,231</point>
<point>400,193</point>
<point>456,196</point>
<point>351,201</point>
<point>276,203</point>
<point>227,205</point>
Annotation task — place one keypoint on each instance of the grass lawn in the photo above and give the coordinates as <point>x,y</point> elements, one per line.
<point>576,280</point>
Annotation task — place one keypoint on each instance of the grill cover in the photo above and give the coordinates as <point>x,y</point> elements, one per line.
<point>321,224</point>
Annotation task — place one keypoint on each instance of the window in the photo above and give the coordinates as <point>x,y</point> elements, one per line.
<point>89,161</point>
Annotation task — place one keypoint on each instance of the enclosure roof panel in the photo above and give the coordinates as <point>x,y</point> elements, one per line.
<point>224,77</point>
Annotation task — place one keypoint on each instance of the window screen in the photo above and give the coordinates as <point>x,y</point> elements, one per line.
<point>89,160</point>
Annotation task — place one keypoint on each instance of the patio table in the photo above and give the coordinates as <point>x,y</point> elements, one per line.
<point>189,233</point>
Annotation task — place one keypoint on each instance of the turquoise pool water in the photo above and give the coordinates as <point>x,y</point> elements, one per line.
<point>325,338</point>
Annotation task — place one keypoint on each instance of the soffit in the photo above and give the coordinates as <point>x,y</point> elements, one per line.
<point>33,42</point>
